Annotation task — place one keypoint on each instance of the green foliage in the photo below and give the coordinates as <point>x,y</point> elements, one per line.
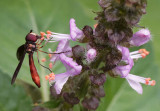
<point>19,16</point>
<point>13,98</point>
<point>50,104</point>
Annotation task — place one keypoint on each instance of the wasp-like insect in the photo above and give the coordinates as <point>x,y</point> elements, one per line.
<point>29,47</point>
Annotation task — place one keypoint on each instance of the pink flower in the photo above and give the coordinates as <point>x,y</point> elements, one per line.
<point>72,69</point>
<point>134,81</point>
<point>75,34</point>
<point>63,47</point>
<point>124,70</point>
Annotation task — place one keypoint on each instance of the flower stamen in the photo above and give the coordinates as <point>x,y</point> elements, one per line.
<point>47,77</point>
<point>50,65</point>
<point>153,82</point>
<point>50,77</point>
<point>141,53</point>
<point>43,60</point>
<point>42,38</point>
<point>149,82</point>
<point>95,25</point>
<point>50,55</point>
<point>42,34</point>
<point>48,36</point>
<point>49,32</point>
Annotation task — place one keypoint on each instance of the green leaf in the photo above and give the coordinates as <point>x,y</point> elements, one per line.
<point>151,21</point>
<point>50,104</point>
<point>13,98</point>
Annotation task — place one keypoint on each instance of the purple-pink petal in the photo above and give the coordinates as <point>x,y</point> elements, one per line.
<point>134,84</point>
<point>70,65</point>
<point>141,37</point>
<point>72,69</point>
<point>75,32</point>
<point>60,80</point>
<point>123,71</point>
<point>64,47</point>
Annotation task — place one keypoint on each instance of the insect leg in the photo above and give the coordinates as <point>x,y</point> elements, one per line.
<point>53,52</point>
<point>43,65</point>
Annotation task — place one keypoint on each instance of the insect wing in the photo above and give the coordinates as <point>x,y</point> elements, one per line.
<point>20,52</point>
<point>18,68</point>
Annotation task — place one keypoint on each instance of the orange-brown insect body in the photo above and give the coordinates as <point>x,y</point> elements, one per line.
<point>34,74</point>
<point>29,47</point>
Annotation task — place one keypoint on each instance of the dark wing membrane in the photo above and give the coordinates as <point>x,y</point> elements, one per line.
<point>18,68</point>
<point>20,51</point>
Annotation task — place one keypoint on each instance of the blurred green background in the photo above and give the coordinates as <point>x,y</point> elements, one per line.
<point>17,17</point>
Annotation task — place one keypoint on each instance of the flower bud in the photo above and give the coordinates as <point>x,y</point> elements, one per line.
<point>88,31</point>
<point>104,3</point>
<point>90,103</point>
<point>70,98</point>
<point>91,54</point>
<point>141,37</point>
<point>98,79</point>
<point>78,51</point>
<point>99,92</point>
<point>112,15</point>
<point>112,59</point>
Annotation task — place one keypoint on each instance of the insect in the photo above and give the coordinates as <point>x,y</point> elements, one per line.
<point>33,44</point>
<point>29,47</point>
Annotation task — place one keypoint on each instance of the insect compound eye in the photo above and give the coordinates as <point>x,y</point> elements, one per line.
<point>31,37</point>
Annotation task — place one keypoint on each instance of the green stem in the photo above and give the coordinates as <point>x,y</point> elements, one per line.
<point>44,85</point>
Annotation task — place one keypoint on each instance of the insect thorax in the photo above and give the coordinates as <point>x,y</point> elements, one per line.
<point>30,47</point>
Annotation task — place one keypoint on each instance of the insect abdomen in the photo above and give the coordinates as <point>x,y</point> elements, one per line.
<point>33,70</point>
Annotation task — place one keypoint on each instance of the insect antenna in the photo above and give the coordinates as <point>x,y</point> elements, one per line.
<point>31,31</point>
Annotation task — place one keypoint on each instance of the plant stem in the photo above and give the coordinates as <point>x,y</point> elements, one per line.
<point>44,85</point>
